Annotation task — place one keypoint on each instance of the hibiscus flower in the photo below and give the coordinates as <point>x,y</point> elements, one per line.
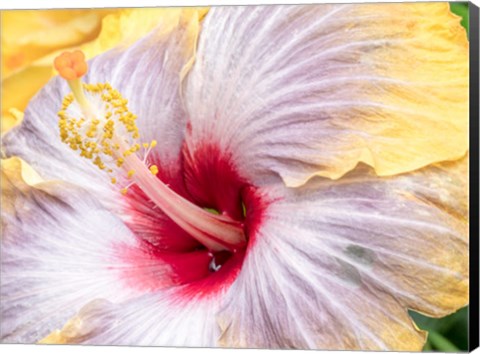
<point>271,177</point>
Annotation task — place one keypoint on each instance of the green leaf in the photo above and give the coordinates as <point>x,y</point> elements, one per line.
<point>441,343</point>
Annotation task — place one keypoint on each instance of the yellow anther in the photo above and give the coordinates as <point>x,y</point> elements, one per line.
<point>154,170</point>
<point>123,191</point>
<point>98,161</point>
<point>153,143</point>
<point>145,145</point>
<point>106,134</point>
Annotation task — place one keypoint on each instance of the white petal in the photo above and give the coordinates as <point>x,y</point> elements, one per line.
<point>156,319</point>
<point>328,268</point>
<point>336,264</point>
<point>61,249</point>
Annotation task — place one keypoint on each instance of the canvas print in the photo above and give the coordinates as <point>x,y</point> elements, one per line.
<point>282,176</point>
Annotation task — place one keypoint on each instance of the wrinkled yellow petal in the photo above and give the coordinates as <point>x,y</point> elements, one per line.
<point>77,327</point>
<point>429,121</point>
<point>19,173</point>
<point>56,337</point>
<point>128,25</point>
<point>416,113</point>
<point>29,35</point>
<point>17,177</point>
<point>63,336</point>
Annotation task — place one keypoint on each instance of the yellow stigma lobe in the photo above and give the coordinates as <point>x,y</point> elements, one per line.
<point>71,65</point>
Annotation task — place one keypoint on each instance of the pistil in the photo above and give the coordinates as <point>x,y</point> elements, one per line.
<point>108,136</point>
<point>216,232</point>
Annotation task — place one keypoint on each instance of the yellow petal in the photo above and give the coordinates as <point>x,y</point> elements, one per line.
<point>11,119</point>
<point>64,335</point>
<point>417,113</point>
<point>17,90</point>
<point>17,177</point>
<point>19,173</point>
<point>77,327</point>
<point>29,35</point>
<point>128,25</point>
<point>430,120</point>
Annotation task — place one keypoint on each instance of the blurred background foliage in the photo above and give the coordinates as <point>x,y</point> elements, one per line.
<point>461,9</point>
<point>450,333</point>
<point>447,334</point>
